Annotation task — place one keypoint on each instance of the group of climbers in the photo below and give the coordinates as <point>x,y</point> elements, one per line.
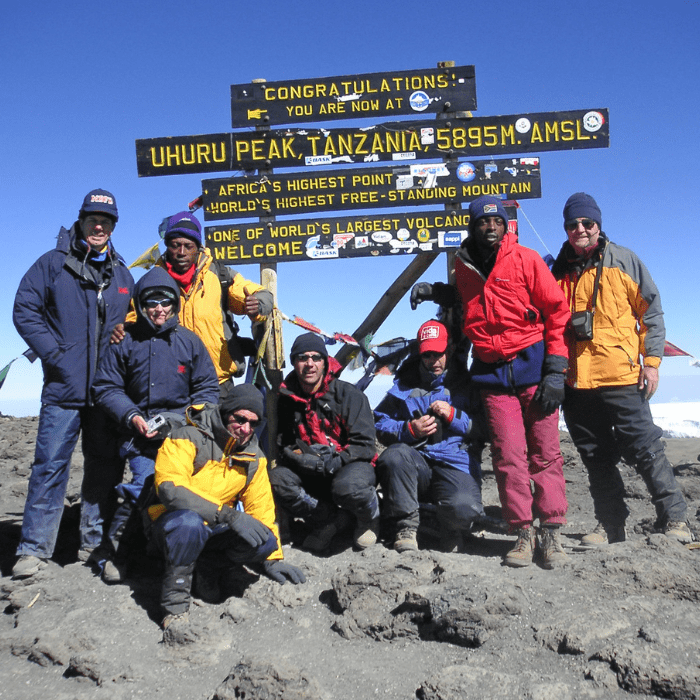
<point>153,384</point>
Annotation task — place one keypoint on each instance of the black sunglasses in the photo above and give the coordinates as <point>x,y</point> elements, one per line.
<point>304,358</point>
<point>242,420</point>
<point>572,225</point>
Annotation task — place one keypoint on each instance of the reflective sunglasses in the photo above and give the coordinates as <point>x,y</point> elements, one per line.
<point>572,225</point>
<point>305,358</point>
<point>152,303</point>
<point>242,420</point>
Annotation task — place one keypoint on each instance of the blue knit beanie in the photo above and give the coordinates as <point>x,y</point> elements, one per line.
<point>183,223</point>
<point>486,206</point>
<point>582,206</point>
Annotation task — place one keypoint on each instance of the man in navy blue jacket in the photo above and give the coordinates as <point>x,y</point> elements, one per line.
<point>434,451</point>
<point>65,309</point>
<point>160,368</point>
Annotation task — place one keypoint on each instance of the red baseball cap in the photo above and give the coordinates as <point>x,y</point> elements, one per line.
<point>432,337</point>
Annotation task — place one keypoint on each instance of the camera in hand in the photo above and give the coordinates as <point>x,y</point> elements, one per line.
<point>155,423</point>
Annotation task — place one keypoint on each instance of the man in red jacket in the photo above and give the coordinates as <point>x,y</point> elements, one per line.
<point>514,314</point>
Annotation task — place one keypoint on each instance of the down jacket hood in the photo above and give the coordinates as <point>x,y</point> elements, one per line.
<point>156,278</point>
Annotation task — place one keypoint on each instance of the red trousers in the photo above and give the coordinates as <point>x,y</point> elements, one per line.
<point>526,457</point>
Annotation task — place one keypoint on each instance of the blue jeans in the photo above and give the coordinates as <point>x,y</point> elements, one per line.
<point>141,455</point>
<point>56,439</point>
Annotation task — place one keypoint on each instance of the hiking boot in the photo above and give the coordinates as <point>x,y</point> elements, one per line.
<point>113,573</point>
<point>177,629</point>
<point>549,543</point>
<point>96,557</point>
<point>320,540</point>
<point>366,533</point>
<point>27,565</point>
<point>601,536</point>
<point>450,540</point>
<point>521,554</point>
<point>406,540</point>
<point>84,554</point>
<point>676,530</point>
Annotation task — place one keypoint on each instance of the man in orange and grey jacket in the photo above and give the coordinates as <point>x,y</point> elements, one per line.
<point>616,344</point>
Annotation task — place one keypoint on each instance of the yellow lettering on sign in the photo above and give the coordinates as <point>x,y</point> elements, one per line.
<point>551,131</point>
<point>536,136</point>
<point>567,131</point>
<point>490,188</point>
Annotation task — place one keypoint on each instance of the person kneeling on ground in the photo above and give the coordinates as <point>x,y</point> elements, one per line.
<point>326,443</point>
<point>434,450</point>
<point>160,368</point>
<point>204,473</point>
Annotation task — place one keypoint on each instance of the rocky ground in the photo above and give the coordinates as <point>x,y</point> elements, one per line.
<point>614,623</point>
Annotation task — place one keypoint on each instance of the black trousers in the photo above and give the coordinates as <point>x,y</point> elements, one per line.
<point>350,488</point>
<point>406,478</point>
<point>610,423</point>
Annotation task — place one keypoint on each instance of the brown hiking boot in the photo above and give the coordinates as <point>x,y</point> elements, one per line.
<point>549,543</point>
<point>366,533</point>
<point>521,554</point>
<point>601,536</point>
<point>406,540</point>
<point>678,530</point>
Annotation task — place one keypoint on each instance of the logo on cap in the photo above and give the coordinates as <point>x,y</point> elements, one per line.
<point>101,199</point>
<point>430,333</point>
<point>490,209</point>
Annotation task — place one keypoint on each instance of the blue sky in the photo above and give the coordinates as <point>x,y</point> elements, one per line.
<point>81,82</point>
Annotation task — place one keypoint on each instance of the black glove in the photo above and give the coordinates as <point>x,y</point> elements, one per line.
<point>331,459</point>
<point>421,292</point>
<point>439,292</point>
<point>550,391</point>
<point>305,461</point>
<point>280,571</point>
<point>318,459</point>
<point>245,526</point>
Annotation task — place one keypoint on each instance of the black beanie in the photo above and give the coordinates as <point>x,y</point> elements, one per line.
<point>308,342</point>
<point>582,205</point>
<point>242,396</point>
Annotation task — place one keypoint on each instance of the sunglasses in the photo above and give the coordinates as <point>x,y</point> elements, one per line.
<point>572,225</point>
<point>305,358</point>
<point>242,420</point>
<point>152,303</point>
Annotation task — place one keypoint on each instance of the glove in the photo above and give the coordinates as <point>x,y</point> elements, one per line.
<point>439,292</point>
<point>277,570</point>
<point>248,528</point>
<point>419,293</point>
<point>320,459</point>
<point>331,459</point>
<point>305,461</point>
<point>550,391</point>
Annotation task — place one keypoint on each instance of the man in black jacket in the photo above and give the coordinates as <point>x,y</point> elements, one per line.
<point>327,450</point>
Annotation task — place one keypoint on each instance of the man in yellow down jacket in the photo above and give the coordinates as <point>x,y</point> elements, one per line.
<point>201,288</point>
<point>616,342</point>
<point>215,499</point>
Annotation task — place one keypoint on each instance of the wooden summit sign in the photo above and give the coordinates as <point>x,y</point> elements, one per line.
<point>370,188</point>
<point>438,90</point>
<point>342,237</point>
<point>393,141</point>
